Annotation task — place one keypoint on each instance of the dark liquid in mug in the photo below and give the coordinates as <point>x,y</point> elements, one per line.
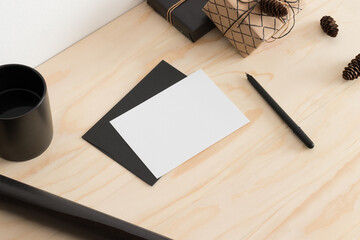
<point>16,102</point>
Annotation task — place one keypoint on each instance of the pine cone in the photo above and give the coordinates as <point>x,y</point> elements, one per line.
<point>328,24</point>
<point>274,8</point>
<point>352,71</point>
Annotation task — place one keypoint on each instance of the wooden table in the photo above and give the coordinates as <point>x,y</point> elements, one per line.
<point>258,183</point>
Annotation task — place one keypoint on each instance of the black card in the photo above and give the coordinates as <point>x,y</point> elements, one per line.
<point>104,136</point>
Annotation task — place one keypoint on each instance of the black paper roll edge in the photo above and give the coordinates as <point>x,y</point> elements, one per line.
<point>66,210</point>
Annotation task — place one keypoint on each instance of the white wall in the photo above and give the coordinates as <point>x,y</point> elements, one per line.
<point>32,31</point>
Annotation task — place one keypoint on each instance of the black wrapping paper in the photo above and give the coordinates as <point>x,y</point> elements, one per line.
<point>188,18</point>
<point>71,213</point>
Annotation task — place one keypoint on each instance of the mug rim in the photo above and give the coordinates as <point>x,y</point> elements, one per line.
<point>41,97</point>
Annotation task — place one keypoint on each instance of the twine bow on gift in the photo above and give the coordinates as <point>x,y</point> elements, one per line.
<point>284,30</point>
<point>171,9</point>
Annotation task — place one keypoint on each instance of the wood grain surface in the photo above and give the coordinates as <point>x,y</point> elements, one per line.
<point>260,182</point>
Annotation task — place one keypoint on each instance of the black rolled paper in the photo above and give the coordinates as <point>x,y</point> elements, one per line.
<point>188,17</point>
<point>88,219</point>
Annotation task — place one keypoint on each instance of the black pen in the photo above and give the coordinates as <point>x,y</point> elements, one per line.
<point>292,125</point>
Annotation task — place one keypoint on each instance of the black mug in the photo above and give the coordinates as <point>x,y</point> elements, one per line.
<point>26,128</point>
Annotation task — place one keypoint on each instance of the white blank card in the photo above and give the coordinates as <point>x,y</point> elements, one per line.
<point>178,123</point>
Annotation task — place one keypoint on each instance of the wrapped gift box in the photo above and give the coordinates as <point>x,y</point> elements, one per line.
<point>244,24</point>
<point>186,15</point>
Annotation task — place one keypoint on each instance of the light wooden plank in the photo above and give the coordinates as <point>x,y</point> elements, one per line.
<point>258,183</point>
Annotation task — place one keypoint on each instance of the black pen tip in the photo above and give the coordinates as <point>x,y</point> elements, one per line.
<point>249,77</point>
<point>311,145</point>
